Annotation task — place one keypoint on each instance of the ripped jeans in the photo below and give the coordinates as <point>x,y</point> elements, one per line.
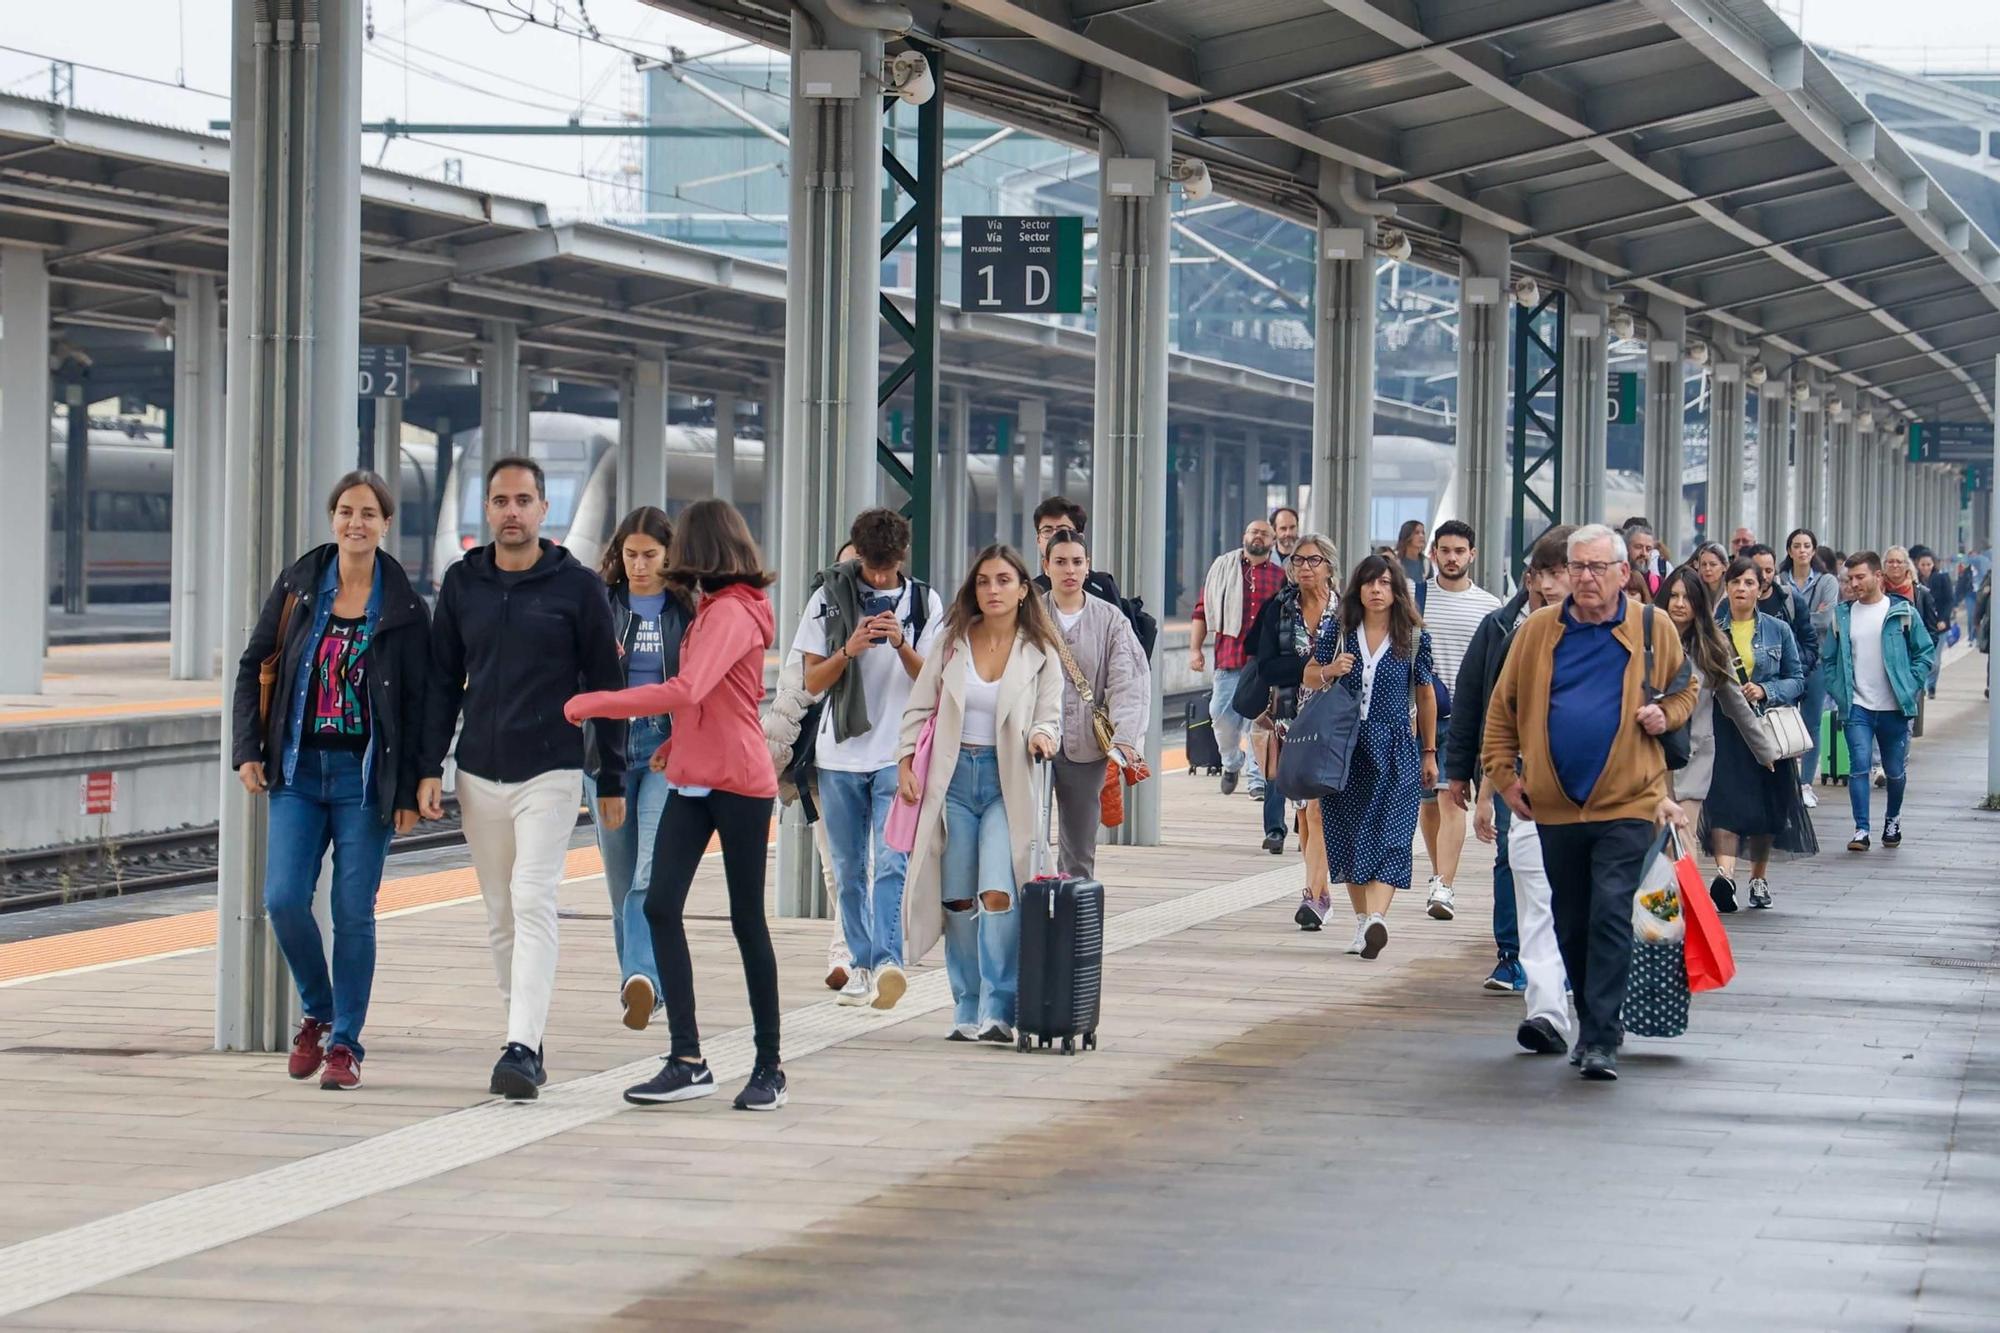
<point>982,942</point>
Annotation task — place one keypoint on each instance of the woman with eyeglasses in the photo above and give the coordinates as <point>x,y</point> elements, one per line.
<point>1282,639</point>
<point>1754,811</point>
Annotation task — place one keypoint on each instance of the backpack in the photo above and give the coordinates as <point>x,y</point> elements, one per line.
<point>1678,744</point>
<point>1144,627</point>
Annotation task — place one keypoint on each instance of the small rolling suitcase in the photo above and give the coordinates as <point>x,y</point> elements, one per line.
<point>1062,949</point>
<point>1833,765</point>
<point>1203,750</point>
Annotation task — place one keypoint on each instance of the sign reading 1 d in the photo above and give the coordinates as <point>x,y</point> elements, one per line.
<point>1022,265</point>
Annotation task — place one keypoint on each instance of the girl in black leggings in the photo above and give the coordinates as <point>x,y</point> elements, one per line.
<point>723,784</point>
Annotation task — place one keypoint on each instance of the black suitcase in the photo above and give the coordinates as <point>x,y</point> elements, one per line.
<point>1062,952</point>
<point>1203,751</point>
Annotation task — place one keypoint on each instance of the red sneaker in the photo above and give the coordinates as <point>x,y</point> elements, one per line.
<point>308,1048</point>
<point>342,1071</point>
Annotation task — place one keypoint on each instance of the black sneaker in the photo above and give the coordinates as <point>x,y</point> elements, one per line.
<point>518,1075</point>
<point>764,1092</point>
<point>1228,782</point>
<point>1576,1057</point>
<point>1760,892</point>
<point>1274,843</point>
<point>677,1081</point>
<point>1540,1036</point>
<point>1256,791</point>
<point>1600,1064</point>
<point>1892,833</point>
<point>1723,890</point>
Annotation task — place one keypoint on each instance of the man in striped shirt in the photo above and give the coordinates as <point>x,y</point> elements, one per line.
<point>1452,605</point>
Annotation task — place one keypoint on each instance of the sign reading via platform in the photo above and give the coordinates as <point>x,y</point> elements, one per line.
<point>1951,442</point>
<point>1023,266</point>
<point>385,371</point>
<point>1622,403</point>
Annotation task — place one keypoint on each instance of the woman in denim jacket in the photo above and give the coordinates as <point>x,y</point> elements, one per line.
<point>1754,810</point>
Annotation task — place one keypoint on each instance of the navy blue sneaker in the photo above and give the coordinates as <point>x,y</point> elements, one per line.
<point>677,1081</point>
<point>1508,977</point>
<point>518,1075</point>
<point>764,1092</point>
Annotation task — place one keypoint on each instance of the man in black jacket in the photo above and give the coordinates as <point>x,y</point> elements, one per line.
<point>1545,582</point>
<point>1931,576</point>
<point>1779,601</point>
<point>520,627</point>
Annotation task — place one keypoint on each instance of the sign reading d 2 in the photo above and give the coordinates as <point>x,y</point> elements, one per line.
<point>1022,266</point>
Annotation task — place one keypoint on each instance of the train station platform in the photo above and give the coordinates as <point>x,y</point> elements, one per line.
<point>1272,1135</point>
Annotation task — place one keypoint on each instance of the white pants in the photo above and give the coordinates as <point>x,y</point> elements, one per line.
<point>518,833</point>
<point>1540,958</point>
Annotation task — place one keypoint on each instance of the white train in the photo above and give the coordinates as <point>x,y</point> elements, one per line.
<point>129,512</point>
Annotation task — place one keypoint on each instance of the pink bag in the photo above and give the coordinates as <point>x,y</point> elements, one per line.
<point>900,830</point>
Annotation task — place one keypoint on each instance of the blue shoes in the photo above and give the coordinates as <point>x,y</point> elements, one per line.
<point>1508,977</point>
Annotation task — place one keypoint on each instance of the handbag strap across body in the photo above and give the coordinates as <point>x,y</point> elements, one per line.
<point>1100,718</point>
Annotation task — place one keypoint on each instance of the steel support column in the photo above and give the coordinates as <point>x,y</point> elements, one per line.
<point>1774,472</point>
<point>1032,433</point>
<point>1129,468</point>
<point>642,433</point>
<point>1846,478</point>
<point>1666,426</point>
<point>24,454</point>
<point>1343,426</point>
<point>950,540</point>
<point>294,311</point>
<point>1536,437</point>
<point>1809,466</point>
<point>1727,423</point>
<point>74,383</point>
<point>1586,389</point>
<point>1197,510</point>
<point>503,426</point>
<point>921,180</point>
<point>769,421</point>
<point>723,475</point>
<point>1992,514</point>
<point>1484,304</point>
<point>196,595</point>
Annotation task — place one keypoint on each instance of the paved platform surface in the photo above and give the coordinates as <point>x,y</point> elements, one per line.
<point>97,681</point>
<point>1274,1135</point>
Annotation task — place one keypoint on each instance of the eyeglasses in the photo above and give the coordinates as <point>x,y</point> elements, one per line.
<point>1309,561</point>
<point>1597,569</point>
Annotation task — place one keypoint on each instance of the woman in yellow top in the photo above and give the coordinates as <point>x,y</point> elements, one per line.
<point>1754,811</point>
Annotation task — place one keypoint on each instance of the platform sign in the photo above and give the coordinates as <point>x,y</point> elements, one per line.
<point>385,371</point>
<point>1622,402</point>
<point>1022,266</point>
<point>1978,477</point>
<point>1951,442</point>
<point>992,433</point>
<point>97,793</point>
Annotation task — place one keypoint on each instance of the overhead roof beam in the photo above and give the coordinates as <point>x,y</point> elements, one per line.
<point>1759,297</point>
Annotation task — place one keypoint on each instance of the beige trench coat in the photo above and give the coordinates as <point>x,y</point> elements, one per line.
<point>1030,704</point>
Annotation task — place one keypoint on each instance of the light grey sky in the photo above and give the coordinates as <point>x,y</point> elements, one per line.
<point>443,60</point>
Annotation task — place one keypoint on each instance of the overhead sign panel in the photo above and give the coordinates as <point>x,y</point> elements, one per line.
<point>1622,402</point>
<point>384,371</point>
<point>1022,266</point>
<point>1951,442</point>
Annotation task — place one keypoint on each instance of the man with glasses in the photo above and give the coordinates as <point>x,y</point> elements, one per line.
<point>1572,742</point>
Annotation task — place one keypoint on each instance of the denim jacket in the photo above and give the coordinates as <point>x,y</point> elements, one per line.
<point>1779,669</point>
<point>1907,652</point>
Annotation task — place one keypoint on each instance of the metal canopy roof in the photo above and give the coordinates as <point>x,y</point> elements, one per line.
<point>120,207</point>
<point>1692,151</point>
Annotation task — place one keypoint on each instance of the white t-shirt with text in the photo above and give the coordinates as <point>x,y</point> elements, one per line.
<point>884,683</point>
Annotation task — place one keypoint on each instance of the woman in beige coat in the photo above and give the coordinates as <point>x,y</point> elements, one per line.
<point>996,691</point>
<point>1114,669</point>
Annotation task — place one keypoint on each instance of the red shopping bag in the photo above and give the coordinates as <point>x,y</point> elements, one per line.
<point>1710,965</point>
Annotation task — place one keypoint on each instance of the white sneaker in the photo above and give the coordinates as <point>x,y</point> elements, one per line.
<point>1432,885</point>
<point>1360,934</point>
<point>1807,795</point>
<point>859,990</point>
<point>890,983</point>
<point>1440,904</point>
<point>1374,936</point>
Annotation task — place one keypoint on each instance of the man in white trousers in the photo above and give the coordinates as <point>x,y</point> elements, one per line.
<point>520,627</point>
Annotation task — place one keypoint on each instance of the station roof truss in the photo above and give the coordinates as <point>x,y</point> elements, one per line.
<point>1692,152</point>
<point>121,208</point>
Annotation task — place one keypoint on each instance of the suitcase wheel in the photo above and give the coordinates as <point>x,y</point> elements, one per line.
<point>1021,1041</point>
<point>1090,1040</point>
<point>1043,1042</point>
<point>1068,1046</point>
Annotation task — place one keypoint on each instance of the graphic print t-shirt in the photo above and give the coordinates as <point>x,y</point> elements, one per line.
<point>337,700</point>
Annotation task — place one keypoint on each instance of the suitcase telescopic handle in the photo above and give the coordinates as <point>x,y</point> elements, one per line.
<point>1045,800</point>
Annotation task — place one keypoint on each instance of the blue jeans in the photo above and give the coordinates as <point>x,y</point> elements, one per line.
<point>854,808</point>
<point>1506,921</point>
<point>1230,726</point>
<point>1867,730</point>
<point>1811,705</point>
<point>1275,807</point>
<point>326,804</point>
<point>628,865</point>
<point>982,945</point>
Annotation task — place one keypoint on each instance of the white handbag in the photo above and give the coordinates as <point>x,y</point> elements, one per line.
<point>1784,726</point>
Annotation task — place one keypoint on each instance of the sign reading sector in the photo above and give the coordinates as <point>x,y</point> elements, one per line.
<point>1951,442</point>
<point>384,371</point>
<point>1022,265</point>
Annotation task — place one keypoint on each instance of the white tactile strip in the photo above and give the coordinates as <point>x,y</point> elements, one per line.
<point>66,1262</point>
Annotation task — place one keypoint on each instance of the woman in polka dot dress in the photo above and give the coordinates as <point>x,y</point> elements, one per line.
<point>1378,650</point>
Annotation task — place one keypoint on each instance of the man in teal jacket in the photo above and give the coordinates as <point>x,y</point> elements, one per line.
<point>1881,658</point>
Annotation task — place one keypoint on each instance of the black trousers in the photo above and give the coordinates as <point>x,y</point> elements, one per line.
<point>744,824</point>
<point>1594,870</point>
